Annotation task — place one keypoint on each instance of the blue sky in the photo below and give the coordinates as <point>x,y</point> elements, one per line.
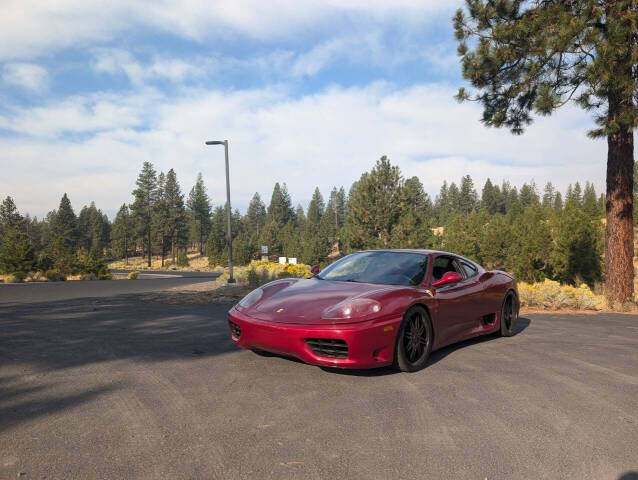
<point>309,93</point>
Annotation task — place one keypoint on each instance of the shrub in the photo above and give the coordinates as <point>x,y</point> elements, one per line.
<point>551,295</point>
<point>253,277</point>
<point>105,276</point>
<point>17,277</point>
<point>182,258</point>
<point>88,276</point>
<point>54,275</point>
<point>133,275</point>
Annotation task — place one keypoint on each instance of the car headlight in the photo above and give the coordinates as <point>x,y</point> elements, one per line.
<point>356,308</point>
<point>251,298</point>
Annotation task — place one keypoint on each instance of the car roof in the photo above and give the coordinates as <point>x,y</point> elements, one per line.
<point>410,250</point>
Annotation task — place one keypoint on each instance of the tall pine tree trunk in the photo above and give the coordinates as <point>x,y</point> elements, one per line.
<point>201,236</point>
<point>619,232</point>
<point>149,247</point>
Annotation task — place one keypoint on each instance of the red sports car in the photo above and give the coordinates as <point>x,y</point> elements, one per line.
<point>376,308</point>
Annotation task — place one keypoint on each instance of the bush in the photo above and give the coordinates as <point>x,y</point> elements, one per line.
<point>88,276</point>
<point>182,258</point>
<point>105,276</point>
<point>551,295</point>
<point>17,277</point>
<point>133,275</point>
<point>253,277</point>
<point>54,275</point>
<point>45,262</point>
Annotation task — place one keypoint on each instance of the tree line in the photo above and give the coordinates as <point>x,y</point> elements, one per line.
<point>530,232</point>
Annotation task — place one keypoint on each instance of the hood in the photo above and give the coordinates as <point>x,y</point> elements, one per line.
<point>304,301</point>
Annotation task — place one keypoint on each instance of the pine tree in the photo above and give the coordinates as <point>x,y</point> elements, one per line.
<point>412,229</point>
<point>64,237</point>
<point>143,208</point>
<point>549,196</point>
<point>255,215</point>
<point>93,228</point>
<point>122,233</point>
<point>578,246</point>
<point>537,56</point>
<point>65,228</point>
<point>528,196</point>
<point>10,218</point>
<point>442,202</point>
<point>280,214</point>
<point>200,211</point>
<point>374,207</point>
<point>161,219</point>
<point>590,202</point>
<point>217,242</point>
<point>468,200</point>
<point>530,246</point>
<point>558,202</point>
<point>315,244</point>
<point>337,204</point>
<point>489,200</point>
<point>454,199</point>
<point>176,217</point>
<point>16,253</point>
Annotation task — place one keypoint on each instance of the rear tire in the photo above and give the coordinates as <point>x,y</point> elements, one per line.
<point>414,340</point>
<point>509,315</point>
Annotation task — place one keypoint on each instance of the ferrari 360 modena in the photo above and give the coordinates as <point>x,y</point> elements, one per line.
<point>377,308</point>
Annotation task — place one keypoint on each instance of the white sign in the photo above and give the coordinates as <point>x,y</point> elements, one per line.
<point>264,249</point>
<point>292,261</point>
<point>282,260</point>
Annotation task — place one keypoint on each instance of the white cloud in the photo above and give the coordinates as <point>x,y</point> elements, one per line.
<point>28,76</point>
<point>33,27</point>
<point>325,139</point>
<point>114,61</point>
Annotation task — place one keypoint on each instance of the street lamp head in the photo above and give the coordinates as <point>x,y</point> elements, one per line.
<point>215,142</point>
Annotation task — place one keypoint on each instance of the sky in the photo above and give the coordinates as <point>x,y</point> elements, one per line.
<point>310,93</point>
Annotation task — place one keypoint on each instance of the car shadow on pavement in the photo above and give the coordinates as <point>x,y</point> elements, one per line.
<point>632,475</point>
<point>435,357</point>
<point>521,324</point>
<point>44,345</point>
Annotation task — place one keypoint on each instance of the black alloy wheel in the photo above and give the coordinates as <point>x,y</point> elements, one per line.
<point>414,340</point>
<point>509,315</point>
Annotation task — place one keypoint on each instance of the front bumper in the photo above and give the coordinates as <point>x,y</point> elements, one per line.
<point>370,343</point>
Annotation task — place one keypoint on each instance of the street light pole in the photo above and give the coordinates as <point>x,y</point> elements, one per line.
<point>231,279</point>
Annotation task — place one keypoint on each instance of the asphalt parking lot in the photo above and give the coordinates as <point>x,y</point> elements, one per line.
<point>96,383</point>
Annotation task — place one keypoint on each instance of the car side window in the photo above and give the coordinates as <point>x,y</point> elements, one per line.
<point>469,269</point>
<point>441,266</point>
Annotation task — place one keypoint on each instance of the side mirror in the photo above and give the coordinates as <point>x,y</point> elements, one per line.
<point>314,270</point>
<point>448,278</point>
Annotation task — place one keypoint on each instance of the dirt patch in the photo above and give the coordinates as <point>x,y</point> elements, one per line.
<point>204,293</point>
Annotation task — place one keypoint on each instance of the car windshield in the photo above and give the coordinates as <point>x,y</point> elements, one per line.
<point>382,267</point>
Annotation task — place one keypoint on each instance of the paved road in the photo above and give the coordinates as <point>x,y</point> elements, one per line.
<point>115,387</point>
<point>168,273</point>
<point>57,291</point>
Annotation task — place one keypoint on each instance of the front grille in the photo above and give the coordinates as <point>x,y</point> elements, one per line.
<point>235,329</point>
<point>328,347</point>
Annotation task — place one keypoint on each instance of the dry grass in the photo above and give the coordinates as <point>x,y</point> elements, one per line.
<point>196,262</point>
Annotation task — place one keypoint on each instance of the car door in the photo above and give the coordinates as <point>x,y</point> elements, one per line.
<point>474,304</point>
<point>453,304</point>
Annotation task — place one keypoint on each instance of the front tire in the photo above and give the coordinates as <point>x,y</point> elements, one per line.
<point>414,340</point>
<point>509,315</point>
